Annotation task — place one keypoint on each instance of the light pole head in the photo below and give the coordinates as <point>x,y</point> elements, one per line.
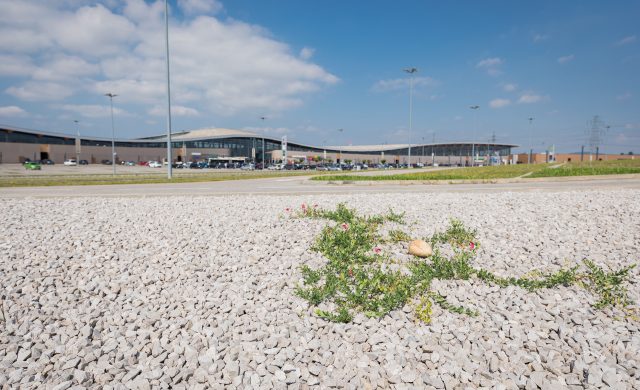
<point>411,70</point>
<point>474,107</point>
<point>111,95</point>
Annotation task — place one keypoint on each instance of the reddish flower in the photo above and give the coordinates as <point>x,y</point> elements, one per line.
<point>377,250</point>
<point>345,227</point>
<point>315,205</point>
<point>287,209</point>
<point>472,246</point>
<point>304,206</point>
<point>351,273</point>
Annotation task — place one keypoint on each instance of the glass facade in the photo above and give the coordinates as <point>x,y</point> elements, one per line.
<point>243,146</point>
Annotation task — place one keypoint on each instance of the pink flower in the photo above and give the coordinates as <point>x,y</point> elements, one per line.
<point>315,205</point>
<point>288,209</point>
<point>377,250</point>
<point>344,227</point>
<point>472,246</point>
<point>351,273</point>
<point>304,206</point>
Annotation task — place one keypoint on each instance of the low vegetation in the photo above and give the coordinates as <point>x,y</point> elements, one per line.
<point>525,171</point>
<point>103,179</point>
<point>359,276</point>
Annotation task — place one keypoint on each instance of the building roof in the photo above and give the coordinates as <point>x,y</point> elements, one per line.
<point>213,133</point>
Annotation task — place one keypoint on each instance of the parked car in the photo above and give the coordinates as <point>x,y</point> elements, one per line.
<point>248,167</point>
<point>203,164</point>
<point>333,167</point>
<point>155,164</point>
<point>105,162</point>
<point>32,165</point>
<point>83,162</point>
<point>128,163</point>
<point>47,161</point>
<point>70,162</point>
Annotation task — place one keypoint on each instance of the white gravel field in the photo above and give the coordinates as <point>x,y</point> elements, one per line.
<point>198,292</point>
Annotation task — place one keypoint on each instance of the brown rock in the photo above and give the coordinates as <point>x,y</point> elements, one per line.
<point>420,248</point>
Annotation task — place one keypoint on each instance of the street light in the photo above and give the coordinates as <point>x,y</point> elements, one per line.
<point>473,141</point>
<point>166,37</point>
<point>340,148</point>
<point>77,142</point>
<point>263,130</point>
<point>530,140</point>
<point>113,133</point>
<point>411,71</point>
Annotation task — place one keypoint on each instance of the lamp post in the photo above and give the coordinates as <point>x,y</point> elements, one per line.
<point>411,71</point>
<point>166,37</point>
<point>339,147</point>
<point>77,142</point>
<point>530,140</point>
<point>473,141</point>
<point>113,133</point>
<point>263,130</point>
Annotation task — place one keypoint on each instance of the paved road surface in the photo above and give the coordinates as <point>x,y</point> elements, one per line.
<point>301,185</point>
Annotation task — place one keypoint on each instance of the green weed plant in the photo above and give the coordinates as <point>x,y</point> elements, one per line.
<point>359,277</point>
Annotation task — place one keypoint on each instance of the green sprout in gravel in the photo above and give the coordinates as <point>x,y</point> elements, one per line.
<point>359,277</point>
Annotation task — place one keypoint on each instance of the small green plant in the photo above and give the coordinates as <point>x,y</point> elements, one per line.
<point>359,277</point>
<point>398,236</point>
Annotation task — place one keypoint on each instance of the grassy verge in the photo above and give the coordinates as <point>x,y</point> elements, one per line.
<point>616,167</point>
<point>477,173</point>
<point>613,167</point>
<point>103,179</point>
<point>360,277</point>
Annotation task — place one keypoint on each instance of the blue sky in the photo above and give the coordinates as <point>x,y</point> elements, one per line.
<point>312,68</point>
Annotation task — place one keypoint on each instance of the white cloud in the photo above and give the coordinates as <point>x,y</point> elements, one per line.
<point>626,40</point>
<point>539,37</point>
<point>528,98</point>
<point>491,65</point>
<point>489,62</point>
<point>510,87</point>
<point>193,7</point>
<point>307,53</point>
<point>175,111</point>
<point>565,59</point>
<point>40,91</point>
<point>218,66</point>
<point>624,96</point>
<point>94,110</point>
<point>403,83</point>
<point>499,103</point>
<point>12,111</point>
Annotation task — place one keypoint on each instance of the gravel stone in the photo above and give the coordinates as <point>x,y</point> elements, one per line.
<point>183,292</point>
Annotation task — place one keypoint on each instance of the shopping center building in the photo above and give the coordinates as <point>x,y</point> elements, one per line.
<point>18,145</point>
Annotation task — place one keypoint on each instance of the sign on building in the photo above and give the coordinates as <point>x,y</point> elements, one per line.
<point>284,149</point>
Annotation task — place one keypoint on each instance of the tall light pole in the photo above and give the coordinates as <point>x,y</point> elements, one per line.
<point>529,160</point>
<point>166,37</point>
<point>113,133</point>
<point>473,141</point>
<point>339,147</point>
<point>263,130</point>
<point>411,71</point>
<point>77,142</point>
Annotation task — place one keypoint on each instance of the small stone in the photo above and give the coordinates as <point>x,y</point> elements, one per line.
<point>420,248</point>
<point>280,375</point>
<point>408,376</point>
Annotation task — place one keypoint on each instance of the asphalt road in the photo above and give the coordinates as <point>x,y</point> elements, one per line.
<point>302,185</point>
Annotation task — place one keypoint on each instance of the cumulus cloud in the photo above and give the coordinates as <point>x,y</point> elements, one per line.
<point>306,53</point>
<point>12,111</point>
<point>499,103</point>
<point>624,96</point>
<point>403,83</point>
<point>565,59</point>
<point>509,87</point>
<point>626,40</point>
<point>528,98</point>
<point>175,111</point>
<point>491,65</point>
<point>193,7</point>
<point>539,37</point>
<point>79,48</point>
<point>93,110</point>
